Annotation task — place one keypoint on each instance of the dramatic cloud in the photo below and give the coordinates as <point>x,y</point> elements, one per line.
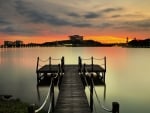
<point>91,15</point>
<point>72,14</point>
<point>107,10</point>
<point>3,21</point>
<point>35,17</point>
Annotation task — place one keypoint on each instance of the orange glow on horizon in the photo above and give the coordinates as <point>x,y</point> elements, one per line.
<point>108,39</point>
<point>42,39</point>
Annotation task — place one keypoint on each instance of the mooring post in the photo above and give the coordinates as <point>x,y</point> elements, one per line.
<point>80,63</point>
<point>84,69</point>
<point>62,63</point>
<point>53,96</point>
<point>91,93</point>
<point>31,109</point>
<point>59,72</point>
<point>92,63</point>
<point>37,66</point>
<point>50,62</point>
<point>115,107</point>
<point>105,62</point>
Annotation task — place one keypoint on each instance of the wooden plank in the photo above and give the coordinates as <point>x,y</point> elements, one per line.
<point>72,97</point>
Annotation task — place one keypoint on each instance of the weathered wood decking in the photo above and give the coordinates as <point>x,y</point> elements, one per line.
<point>72,97</point>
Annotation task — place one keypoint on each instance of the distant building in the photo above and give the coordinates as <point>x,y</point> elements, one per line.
<point>75,38</point>
<point>16,43</point>
<point>8,43</point>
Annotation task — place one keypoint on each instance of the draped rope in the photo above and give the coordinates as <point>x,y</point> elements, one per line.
<point>98,59</point>
<point>55,58</point>
<point>89,89</point>
<point>45,60</point>
<point>102,106</point>
<point>45,101</point>
<point>50,104</point>
<point>86,58</point>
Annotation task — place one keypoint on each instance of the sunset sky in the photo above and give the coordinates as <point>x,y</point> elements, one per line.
<point>48,20</point>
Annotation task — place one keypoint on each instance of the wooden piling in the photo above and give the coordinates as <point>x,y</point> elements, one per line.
<point>92,62</point>
<point>53,96</point>
<point>31,109</point>
<point>37,66</point>
<point>115,107</point>
<point>50,61</point>
<point>80,64</point>
<point>105,62</point>
<point>91,93</point>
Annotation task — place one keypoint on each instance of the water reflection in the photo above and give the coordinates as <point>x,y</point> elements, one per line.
<point>127,76</point>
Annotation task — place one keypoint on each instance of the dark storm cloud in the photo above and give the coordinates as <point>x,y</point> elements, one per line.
<point>82,25</point>
<point>8,30</point>
<point>35,16</point>
<point>107,10</point>
<point>139,25</point>
<point>12,31</point>
<point>72,14</point>
<point>3,21</point>
<point>142,23</point>
<point>105,25</point>
<point>91,15</point>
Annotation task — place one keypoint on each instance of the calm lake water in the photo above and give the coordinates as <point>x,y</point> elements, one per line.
<point>127,76</point>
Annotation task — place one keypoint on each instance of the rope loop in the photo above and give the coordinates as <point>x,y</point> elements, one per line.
<point>45,60</point>
<point>98,59</point>
<point>45,101</point>
<point>55,58</point>
<point>86,58</point>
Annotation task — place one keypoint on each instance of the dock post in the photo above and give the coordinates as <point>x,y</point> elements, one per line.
<point>49,62</point>
<point>31,109</point>
<point>92,63</point>
<point>80,64</point>
<point>84,69</point>
<point>91,93</point>
<point>37,66</point>
<point>62,64</point>
<point>53,96</point>
<point>105,62</point>
<point>59,75</point>
<point>115,107</point>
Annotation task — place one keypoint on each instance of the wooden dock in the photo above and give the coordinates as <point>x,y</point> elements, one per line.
<point>72,97</point>
<point>73,78</point>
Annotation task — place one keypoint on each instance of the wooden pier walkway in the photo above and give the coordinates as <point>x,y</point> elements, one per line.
<point>72,97</point>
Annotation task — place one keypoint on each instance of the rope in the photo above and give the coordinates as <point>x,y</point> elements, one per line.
<point>102,106</point>
<point>50,105</point>
<point>55,58</point>
<point>98,59</point>
<point>86,58</point>
<point>42,106</point>
<point>90,92</point>
<point>43,60</point>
